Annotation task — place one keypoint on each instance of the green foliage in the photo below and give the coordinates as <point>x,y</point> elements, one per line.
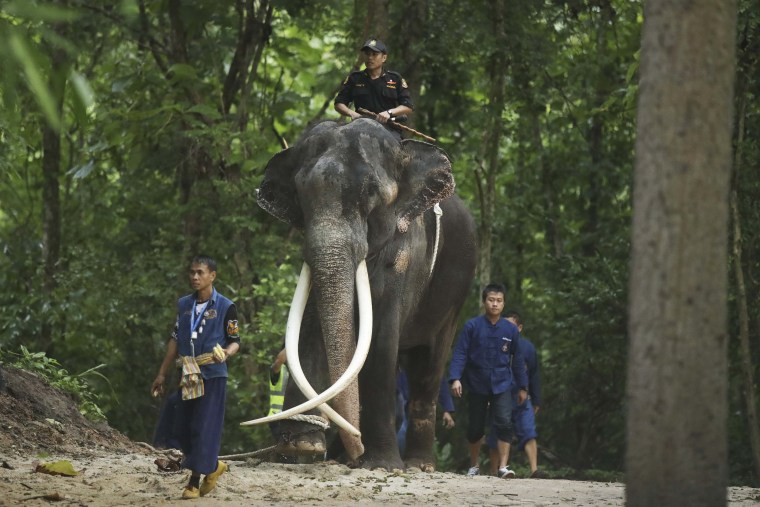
<point>444,457</point>
<point>57,376</point>
<point>155,167</point>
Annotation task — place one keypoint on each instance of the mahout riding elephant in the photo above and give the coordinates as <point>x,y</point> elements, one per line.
<point>365,202</point>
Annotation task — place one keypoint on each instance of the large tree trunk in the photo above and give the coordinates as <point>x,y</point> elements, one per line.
<point>677,376</point>
<point>745,350</point>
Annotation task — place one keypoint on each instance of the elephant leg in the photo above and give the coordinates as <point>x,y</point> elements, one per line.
<point>298,437</point>
<point>424,383</point>
<point>378,394</point>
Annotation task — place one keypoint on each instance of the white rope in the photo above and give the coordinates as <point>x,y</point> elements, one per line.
<point>438,214</point>
<point>312,419</point>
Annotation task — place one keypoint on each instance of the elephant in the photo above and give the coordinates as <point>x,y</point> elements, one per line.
<point>369,206</point>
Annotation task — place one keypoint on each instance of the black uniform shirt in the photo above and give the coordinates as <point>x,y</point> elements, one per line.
<point>376,95</point>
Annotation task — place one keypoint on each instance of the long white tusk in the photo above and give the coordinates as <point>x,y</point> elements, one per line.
<point>357,362</point>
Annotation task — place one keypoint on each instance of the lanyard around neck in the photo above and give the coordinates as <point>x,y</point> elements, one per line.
<point>197,317</point>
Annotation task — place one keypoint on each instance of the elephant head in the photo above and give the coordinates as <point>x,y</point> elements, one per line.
<point>350,188</point>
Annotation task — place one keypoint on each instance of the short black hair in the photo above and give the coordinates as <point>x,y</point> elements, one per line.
<point>513,314</point>
<point>492,287</point>
<point>205,259</point>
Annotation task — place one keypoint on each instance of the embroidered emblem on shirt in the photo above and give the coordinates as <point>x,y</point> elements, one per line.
<point>391,82</point>
<point>210,314</point>
<point>232,328</point>
<point>506,344</point>
<point>403,83</point>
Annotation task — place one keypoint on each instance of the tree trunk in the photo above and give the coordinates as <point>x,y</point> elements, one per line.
<point>677,374</point>
<point>51,196</point>
<point>405,54</point>
<point>745,350</point>
<point>376,22</point>
<point>494,130</point>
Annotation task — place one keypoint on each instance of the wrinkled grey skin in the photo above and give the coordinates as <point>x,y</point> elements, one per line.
<point>358,193</point>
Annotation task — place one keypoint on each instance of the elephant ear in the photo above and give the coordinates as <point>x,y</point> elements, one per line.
<point>277,193</point>
<point>426,180</point>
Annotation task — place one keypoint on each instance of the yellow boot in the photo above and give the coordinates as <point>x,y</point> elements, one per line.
<point>190,492</point>
<point>209,482</point>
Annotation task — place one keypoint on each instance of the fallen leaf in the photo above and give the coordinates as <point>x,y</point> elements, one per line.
<point>62,467</point>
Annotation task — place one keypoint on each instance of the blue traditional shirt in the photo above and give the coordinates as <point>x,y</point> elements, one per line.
<point>218,325</point>
<point>484,357</point>
<point>528,351</point>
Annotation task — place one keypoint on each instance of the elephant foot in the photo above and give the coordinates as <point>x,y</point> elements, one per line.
<point>385,461</point>
<point>300,448</point>
<point>310,442</point>
<point>424,465</point>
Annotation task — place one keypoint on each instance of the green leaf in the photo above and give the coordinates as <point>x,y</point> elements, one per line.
<point>83,96</point>
<point>42,94</point>
<point>41,12</point>
<point>182,71</point>
<point>205,110</point>
<point>82,171</point>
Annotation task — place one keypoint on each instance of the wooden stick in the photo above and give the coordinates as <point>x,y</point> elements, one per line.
<point>365,112</point>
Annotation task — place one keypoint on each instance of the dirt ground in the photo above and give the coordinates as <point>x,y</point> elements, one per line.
<point>114,471</point>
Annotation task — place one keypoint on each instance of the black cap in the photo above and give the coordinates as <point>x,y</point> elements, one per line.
<point>375,45</point>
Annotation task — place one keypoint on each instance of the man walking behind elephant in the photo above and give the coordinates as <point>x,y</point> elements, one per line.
<point>383,92</point>
<point>523,416</point>
<point>205,335</point>
<point>487,360</point>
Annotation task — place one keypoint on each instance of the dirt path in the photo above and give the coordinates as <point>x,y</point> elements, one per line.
<point>36,421</point>
<point>132,479</point>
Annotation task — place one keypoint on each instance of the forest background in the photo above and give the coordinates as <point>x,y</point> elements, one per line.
<point>134,133</point>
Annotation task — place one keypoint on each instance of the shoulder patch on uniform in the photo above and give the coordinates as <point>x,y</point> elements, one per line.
<point>403,83</point>
<point>232,328</point>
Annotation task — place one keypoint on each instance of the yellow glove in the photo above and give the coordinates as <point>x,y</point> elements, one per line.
<point>219,353</point>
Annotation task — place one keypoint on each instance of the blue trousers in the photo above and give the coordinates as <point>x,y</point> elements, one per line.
<point>524,423</point>
<point>200,427</point>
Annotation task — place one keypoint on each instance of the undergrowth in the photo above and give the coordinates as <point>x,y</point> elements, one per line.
<point>57,376</point>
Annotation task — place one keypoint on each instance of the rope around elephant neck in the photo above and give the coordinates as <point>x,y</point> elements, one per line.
<point>438,214</point>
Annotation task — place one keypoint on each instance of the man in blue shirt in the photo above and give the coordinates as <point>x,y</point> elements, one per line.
<point>524,416</point>
<point>488,363</point>
<point>205,335</point>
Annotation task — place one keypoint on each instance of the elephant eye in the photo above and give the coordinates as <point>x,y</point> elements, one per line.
<point>369,196</point>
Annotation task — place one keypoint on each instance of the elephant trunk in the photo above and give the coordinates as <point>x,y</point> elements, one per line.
<point>333,278</point>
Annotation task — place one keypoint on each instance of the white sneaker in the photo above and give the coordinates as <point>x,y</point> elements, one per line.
<point>473,471</point>
<point>506,473</point>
